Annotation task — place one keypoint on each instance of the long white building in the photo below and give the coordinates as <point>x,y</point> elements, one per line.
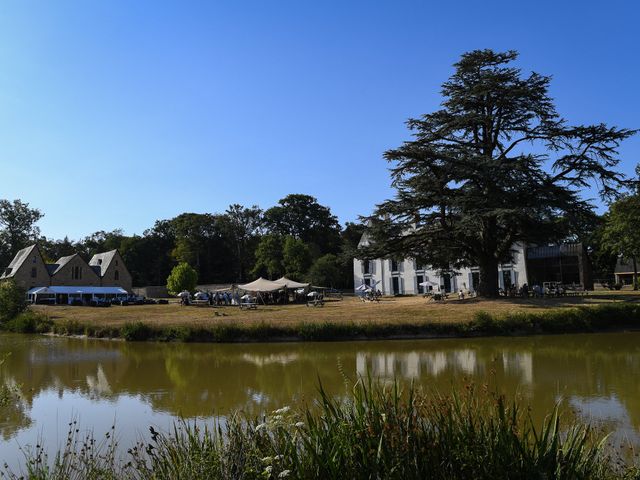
<point>404,276</point>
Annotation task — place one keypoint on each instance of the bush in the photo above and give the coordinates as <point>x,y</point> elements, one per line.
<point>29,322</point>
<point>136,332</point>
<point>12,301</point>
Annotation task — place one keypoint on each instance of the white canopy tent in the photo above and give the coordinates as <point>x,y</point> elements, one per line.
<point>291,283</point>
<point>75,292</point>
<point>261,285</point>
<point>427,283</point>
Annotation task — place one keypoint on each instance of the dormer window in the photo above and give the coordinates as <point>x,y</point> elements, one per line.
<point>99,261</point>
<point>34,259</point>
<point>116,275</point>
<point>34,272</point>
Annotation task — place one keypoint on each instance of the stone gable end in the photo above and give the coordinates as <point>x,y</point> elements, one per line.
<point>65,276</point>
<point>33,272</point>
<point>123,279</point>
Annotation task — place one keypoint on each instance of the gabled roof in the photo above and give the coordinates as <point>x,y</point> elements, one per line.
<point>17,261</point>
<point>102,260</point>
<point>62,261</point>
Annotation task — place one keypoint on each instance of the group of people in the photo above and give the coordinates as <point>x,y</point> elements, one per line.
<point>213,298</point>
<point>371,295</point>
<point>537,291</point>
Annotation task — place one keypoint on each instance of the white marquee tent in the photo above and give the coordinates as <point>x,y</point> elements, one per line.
<point>261,285</point>
<point>291,283</point>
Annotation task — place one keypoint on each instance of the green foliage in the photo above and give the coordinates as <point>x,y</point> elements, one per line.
<point>376,432</point>
<point>182,277</point>
<point>29,322</point>
<point>621,233</point>
<point>269,257</point>
<point>296,258</point>
<point>12,300</point>
<point>17,228</point>
<point>494,166</point>
<point>136,332</point>
<point>326,271</point>
<point>302,217</point>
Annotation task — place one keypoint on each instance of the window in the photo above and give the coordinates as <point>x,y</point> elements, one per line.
<point>34,259</point>
<point>76,273</point>
<point>367,267</point>
<point>99,261</point>
<point>116,275</point>
<point>116,263</point>
<point>34,272</point>
<point>419,280</point>
<point>395,265</point>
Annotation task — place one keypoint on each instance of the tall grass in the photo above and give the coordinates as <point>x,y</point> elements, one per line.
<point>376,432</point>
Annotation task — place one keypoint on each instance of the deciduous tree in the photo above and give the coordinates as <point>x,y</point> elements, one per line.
<point>622,231</point>
<point>182,277</point>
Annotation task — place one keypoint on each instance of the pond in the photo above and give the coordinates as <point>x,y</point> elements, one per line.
<point>100,383</point>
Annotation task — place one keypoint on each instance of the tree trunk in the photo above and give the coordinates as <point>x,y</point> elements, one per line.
<point>488,286</point>
<point>635,274</point>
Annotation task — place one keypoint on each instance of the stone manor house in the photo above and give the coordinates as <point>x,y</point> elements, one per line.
<point>105,274</point>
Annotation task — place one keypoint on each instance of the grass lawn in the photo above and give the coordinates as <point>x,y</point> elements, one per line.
<point>388,311</point>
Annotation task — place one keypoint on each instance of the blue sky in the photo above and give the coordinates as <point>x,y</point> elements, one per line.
<point>115,114</point>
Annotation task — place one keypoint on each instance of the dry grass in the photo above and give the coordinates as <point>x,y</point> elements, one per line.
<point>399,310</point>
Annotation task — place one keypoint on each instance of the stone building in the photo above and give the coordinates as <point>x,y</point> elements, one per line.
<point>29,270</point>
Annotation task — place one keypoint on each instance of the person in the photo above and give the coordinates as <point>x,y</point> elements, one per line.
<point>461,295</point>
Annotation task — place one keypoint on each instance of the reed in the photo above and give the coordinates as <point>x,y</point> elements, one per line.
<point>376,432</point>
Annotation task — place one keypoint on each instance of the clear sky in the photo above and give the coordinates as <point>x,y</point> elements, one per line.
<point>116,113</point>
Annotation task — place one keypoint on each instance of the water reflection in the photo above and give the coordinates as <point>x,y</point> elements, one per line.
<point>594,374</point>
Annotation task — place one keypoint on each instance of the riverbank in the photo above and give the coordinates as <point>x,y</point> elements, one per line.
<point>351,319</point>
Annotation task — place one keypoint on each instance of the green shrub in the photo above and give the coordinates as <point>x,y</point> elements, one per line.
<point>12,300</point>
<point>29,322</point>
<point>136,332</point>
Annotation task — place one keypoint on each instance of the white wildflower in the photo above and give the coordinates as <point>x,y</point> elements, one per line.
<point>300,424</point>
<point>268,469</point>
<point>284,473</point>
<point>267,460</point>
<point>261,427</point>
<point>277,417</point>
<point>282,411</point>
<point>277,458</point>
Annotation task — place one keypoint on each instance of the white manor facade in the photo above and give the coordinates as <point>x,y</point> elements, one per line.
<point>404,276</point>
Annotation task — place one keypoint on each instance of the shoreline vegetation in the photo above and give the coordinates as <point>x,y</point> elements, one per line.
<point>393,318</point>
<point>373,432</point>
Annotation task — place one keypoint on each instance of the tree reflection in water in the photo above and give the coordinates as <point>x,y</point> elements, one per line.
<point>201,380</point>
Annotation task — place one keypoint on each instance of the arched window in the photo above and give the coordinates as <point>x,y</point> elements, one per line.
<point>116,275</point>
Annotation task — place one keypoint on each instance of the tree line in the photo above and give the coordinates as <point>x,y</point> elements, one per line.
<point>298,237</point>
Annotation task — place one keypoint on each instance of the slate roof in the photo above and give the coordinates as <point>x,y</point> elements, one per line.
<point>17,262</point>
<point>102,261</point>
<point>62,261</point>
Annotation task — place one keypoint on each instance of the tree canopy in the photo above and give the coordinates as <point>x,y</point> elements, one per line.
<point>621,232</point>
<point>182,277</point>
<point>17,227</point>
<point>496,165</point>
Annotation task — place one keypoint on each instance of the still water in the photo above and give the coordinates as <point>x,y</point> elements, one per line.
<point>137,385</point>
